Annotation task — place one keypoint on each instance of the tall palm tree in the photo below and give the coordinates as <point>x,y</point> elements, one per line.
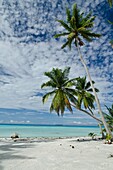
<point>78,28</point>
<point>64,93</point>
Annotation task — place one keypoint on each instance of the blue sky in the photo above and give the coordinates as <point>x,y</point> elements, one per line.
<point>28,49</point>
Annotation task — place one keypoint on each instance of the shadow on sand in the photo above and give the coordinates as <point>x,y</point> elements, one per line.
<point>9,151</point>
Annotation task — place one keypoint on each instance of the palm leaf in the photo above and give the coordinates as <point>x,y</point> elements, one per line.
<point>75,12</point>
<point>68,14</point>
<point>73,23</point>
<point>46,96</point>
<point>67,103</point>
<point>91,34</point>
<point>62,34</point>
<point>50,75</point>
<point>66,73</point>
<point>48,84</point>
<point>65,44</point>
<point>70,83</point>
<point>64,25</point>
<point>70,42</point>
<point>110,2</point>
<point>72,98</point>
<point>85,36</point>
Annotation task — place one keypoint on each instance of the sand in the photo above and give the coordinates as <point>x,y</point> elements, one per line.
<point>55,154</point>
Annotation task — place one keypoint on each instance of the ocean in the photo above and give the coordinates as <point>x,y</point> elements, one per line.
<point>6,130</point>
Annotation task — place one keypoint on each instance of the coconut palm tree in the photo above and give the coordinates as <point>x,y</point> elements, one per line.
<point>83,89</point>
<point>61,91</point>
<point>65,95</point>
<point>85,98</point>
<point>109,117</point>
<point>78,27</point>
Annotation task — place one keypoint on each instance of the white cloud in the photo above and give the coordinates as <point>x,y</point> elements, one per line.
<point>22,64</point>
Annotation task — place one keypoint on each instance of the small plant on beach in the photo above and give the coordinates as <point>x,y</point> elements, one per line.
<point>109,139</point>
<point>92,135</point>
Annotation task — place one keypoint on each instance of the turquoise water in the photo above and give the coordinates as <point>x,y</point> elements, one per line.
<point>46,131</point>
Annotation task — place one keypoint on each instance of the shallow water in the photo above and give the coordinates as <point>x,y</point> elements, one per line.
<point>47,131</point>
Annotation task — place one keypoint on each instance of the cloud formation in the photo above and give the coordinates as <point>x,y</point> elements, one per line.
<point>28,49</point>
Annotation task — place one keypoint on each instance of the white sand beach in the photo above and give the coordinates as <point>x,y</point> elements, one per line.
<point>55,154</point>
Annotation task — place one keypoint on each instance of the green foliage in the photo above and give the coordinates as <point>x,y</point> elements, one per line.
<point>67,92</point>
<point>108,137</point>
<point>77,26</point>
<point>110,2</point>
<point>92,135</point>
<point>83,89</point>
<point>62,92</point>
<point>109,117</point>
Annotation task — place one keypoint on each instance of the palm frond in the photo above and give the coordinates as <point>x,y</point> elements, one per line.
<point>70,83</point>
<point>46,96</point>
<point>64,25</point>
<point>62,34</point>
<point>50,75</point>
<point>67,103</point>
<point>88,85</point>
<point>86,37</point>
<point>48,84</point>
<point>71,95</point>
<point>110,2</point>
<point>73,23</point>
<point>68,14</point>
<point>89,22</point>
<point>70,42</point>
<point>66,73</point>
<point>88,16</point>
<point>75,13</point>
<point>65,44</point>
<point>91,34</point>
<point>110,110</point>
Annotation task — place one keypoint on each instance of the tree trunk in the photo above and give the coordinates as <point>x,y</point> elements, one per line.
<point>103,136</point>
<point>96,97</point>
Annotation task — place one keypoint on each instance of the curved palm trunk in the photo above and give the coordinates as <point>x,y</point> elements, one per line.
<point>96,97</point>
<point>97,119</point>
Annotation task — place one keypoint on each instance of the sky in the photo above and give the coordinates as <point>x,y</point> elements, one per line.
<point>28,49</point>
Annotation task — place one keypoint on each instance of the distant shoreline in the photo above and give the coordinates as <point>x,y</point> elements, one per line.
<point>16,124</point>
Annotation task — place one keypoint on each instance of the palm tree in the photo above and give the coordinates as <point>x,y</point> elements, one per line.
<point>77,27</point>
<point>109,117</point>
<point>65,95</point>
<point>61,91</point>
<point>110,2</point>
<point>85,98</point>
<point>82,89</point>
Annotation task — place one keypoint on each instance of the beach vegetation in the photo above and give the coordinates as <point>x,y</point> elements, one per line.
<point>68,93</point>
<point>92,135</point>
<point>78,30</point>
<point>109,117</point>
<point>61,90</point>
<point>110,2</point>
